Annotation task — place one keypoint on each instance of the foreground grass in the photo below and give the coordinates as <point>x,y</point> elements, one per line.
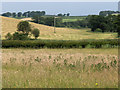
<point>60,68</point>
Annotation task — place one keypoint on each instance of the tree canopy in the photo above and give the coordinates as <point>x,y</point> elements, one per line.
<point>24,26</point>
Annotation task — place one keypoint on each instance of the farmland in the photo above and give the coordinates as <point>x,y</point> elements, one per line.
<point>46,32</point>
<point>65,66</point>
<point>73,18</point>
<point>60,68</point>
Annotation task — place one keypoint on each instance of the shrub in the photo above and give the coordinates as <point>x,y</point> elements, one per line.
<point>9,36</point>
<point>59,43</point>
<point>36,33</point>
<point>20,36</point>
<point>98,30</point>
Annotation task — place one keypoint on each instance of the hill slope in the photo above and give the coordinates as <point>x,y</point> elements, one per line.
<point>46,32</point>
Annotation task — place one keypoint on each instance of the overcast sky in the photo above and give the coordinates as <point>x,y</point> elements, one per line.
<point>60,0</point>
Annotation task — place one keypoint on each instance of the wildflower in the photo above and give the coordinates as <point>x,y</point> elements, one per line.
<point>96,84</point>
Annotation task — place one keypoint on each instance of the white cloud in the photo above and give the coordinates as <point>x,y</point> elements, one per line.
<point>59,0</point>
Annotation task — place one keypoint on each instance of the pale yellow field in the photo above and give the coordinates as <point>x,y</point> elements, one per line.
<point>59,68</point>
<point>46,32</point>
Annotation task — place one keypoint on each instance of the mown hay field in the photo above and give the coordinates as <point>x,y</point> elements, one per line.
<point>60,68</point>
<point>47,32</point>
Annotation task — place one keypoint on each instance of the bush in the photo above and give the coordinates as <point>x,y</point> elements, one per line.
<point>36,33</point>
<point>9,36</point>
<point>20,36</point>
<point>98,30</point>
<point>112,43</point>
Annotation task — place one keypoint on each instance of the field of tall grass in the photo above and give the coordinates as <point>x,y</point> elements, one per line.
<point>60,68</point>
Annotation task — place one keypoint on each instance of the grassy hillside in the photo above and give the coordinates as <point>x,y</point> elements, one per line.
<point>46,32</point>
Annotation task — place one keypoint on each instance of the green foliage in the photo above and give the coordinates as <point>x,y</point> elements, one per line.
<point>58,43</point>
<point>37,59</point>
<point>7,14</point>
<point>47,20</point>
<point>98,30</point>
<point>14,14</point>
<point>36,33</point>
<point>105,13</point>
<point>76,24</point>
<point>60,14</point>
<point>117,22</point>
<point>20,36</point>
<point>9,36</point>
<point>24,26</point>
<point>19,14</point>
<point>106,24</point>
<point>34,13</point>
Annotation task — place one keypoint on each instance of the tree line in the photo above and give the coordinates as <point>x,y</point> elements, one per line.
<point>29,14</point>
<point>103,23</point>
<point>25,14</point>
<point>60,14</point>
<point>97,23</point>
<point>106,13</point>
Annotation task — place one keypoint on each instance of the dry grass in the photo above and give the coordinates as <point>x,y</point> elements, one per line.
<point>46,32</point>
<point>26,19</point>
<point>58,68</point>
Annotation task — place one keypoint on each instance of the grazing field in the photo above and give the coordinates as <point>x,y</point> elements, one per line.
<point>47,32</point>
<point>60,68</point>
<point>73,18</point>
<point>70,20</point>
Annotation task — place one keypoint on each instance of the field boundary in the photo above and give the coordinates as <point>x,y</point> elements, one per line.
<point>102,43</point>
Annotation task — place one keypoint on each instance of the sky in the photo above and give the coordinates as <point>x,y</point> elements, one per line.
<point>54,8</point>
<point>81,7</point>
<point>60,0</point>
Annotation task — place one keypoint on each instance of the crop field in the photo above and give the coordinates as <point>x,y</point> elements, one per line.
<point>73,18</point>
<point>70,20</point>
<point>47,32</point>
<point>60,68</point>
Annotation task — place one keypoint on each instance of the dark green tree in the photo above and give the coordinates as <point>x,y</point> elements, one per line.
<point>20,36</point>
<point>8,14</point>
<point>19,14</point>
<point>106,13</point>
<point>64,15</point>
<point>14,14</point>
<point>49,21</point>
<point>118,25</point>
<point>24,27</point>
<point>95,21</point>
<point>68,14</point>
<point>43,13</point>
<point>9,36</point>
<point>25,14</point>
<point>60,14</point>
<point>36,33</point>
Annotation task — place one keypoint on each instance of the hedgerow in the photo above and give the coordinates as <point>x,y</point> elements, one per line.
<point>109,43</point>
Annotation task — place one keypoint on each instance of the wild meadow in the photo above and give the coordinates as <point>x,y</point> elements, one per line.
<point>60,68</point>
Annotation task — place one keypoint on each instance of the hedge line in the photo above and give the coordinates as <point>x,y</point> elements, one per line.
<point>109,43</point>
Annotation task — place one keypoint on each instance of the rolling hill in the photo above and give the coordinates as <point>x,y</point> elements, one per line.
<point>47,32</point>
